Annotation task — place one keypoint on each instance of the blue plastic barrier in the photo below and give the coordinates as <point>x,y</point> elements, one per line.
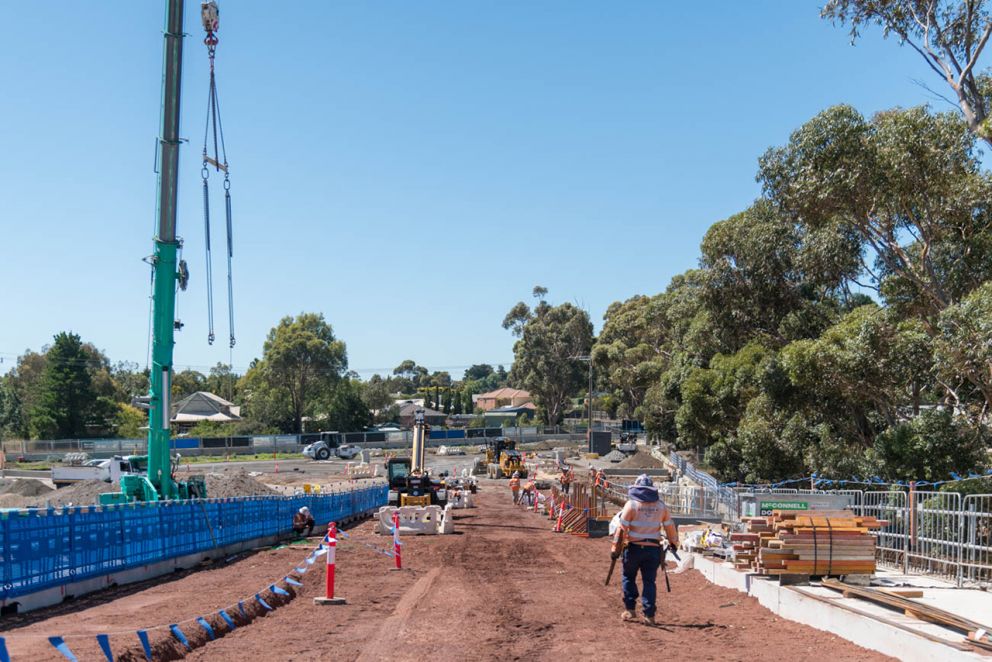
<point>42,548</point>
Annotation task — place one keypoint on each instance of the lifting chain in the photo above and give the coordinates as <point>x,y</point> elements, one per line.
<point>214,133</point>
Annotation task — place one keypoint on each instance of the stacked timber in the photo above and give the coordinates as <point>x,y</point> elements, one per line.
<point>803,542</point>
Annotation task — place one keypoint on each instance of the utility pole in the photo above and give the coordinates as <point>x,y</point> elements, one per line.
<point>164,263</point>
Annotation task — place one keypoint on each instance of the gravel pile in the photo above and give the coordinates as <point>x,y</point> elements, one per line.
<point>221,486</point>
<point>24,487</point>
<point>642,460</point>
<point>88,492</point>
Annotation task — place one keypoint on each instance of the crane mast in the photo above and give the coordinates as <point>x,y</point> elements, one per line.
<point>168,273</point>
<point>164,262</point>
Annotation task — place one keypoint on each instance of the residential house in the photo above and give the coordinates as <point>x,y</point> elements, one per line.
<point>203,406</point>
<point>501,397</point>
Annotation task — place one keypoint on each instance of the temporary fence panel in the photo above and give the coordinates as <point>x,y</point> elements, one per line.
<point>976,541</point>
<point>46,548</point>
<point>934,533</point>
<point>891,539</point>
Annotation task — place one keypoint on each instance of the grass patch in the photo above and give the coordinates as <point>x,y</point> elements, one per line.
<point>40,465</point>
<point>237,457</point>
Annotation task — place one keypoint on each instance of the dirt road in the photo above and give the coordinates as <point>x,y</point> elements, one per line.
<point>504,587</point>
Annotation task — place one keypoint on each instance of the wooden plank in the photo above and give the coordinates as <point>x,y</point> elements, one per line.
<point>930,613</point>
<point>902,592</point>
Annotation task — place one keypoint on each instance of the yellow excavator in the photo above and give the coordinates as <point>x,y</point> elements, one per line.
<point>503,459</point>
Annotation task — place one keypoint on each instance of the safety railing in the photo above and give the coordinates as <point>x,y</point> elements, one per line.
<point>890,540</point>
<point>44,548</point>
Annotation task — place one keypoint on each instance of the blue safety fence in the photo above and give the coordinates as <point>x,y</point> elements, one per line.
<point>41,548</point>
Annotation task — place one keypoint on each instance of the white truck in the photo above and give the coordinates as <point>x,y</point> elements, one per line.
<point>108,470</point>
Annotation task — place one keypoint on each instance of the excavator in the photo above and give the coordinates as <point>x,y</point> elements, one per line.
<point>503,459</point>
<point>410,484</point>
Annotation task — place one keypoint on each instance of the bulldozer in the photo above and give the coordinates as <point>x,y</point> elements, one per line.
<point>503,459</point>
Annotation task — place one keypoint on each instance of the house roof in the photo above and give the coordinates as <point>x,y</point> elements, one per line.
<point>205,406</point>
<point>409,408</point>
<point>527,407</point>
<point>505,392</point>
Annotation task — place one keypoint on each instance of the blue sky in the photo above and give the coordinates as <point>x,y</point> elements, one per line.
<point>410,169</point>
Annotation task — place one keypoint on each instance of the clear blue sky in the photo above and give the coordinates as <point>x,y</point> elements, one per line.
<point>410,169</point>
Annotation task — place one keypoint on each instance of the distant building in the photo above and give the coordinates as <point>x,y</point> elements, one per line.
<point>498,415</point>
<point>501,397</point>
<point>203,406</point>
<point>431,416</point>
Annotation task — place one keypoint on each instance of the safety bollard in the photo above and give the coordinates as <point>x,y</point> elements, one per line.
<point>332,543</point>
<point>396,541</point>
<point>536,498</point>
<point>561,515</point>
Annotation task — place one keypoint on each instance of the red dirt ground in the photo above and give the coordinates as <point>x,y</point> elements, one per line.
<point>504,587</point>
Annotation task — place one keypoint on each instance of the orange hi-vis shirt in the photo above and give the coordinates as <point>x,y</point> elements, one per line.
<point>514,484</point>
<point>643,523</point>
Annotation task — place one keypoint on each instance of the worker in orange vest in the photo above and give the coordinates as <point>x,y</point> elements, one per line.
<point>566,478</point>
<point>515,487</point>
<point>642,520</point>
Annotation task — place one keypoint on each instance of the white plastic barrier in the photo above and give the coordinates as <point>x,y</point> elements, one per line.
<point>362,470</point>
<point>461,499</point>
<point>417,520</point>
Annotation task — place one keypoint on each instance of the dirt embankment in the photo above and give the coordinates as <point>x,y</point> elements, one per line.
<point>502,588</point>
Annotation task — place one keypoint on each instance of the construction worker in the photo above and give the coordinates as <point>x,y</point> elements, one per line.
<point>638,541</point>
<point>303,520</point>
<point>530,491</point>
<point>566,478</point>
<point>515,487</point>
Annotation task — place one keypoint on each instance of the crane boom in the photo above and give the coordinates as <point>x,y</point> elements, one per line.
<point>165,260</point>
<point>168,272</point>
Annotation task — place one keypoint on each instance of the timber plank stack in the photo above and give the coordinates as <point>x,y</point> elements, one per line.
<point>805,542</point>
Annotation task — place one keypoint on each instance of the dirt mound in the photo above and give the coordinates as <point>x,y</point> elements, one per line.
<point>83,493</point>
<point>642,460</point>
<point>24,487</point>
<point>221,486</point>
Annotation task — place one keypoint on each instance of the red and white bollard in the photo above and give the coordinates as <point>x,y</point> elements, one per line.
<point>332,543</point>
<point>396,541</point>
<point>561,515</point>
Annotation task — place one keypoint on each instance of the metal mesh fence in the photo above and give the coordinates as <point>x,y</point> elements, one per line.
<point>41,549</point>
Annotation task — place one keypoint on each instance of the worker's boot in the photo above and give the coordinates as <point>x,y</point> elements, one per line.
<point>627,615</point>
<point>649,620</point>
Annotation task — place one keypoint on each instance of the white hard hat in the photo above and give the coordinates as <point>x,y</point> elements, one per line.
<point>304,510</point>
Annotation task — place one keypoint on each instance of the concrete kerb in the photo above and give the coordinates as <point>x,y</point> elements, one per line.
<point>860,628</point>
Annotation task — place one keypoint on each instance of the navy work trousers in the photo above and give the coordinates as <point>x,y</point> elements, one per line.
<point>646,560</point>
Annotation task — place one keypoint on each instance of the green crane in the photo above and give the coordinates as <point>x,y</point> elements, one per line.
<point>169,272</point>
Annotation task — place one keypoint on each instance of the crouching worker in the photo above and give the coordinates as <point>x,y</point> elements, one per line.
<point>641,522</point>
<point>303,521</point>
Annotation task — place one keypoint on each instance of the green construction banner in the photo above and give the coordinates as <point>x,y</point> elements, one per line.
<point>768,506</point>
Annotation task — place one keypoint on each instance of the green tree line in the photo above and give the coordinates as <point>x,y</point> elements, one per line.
<point>71,389</point>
